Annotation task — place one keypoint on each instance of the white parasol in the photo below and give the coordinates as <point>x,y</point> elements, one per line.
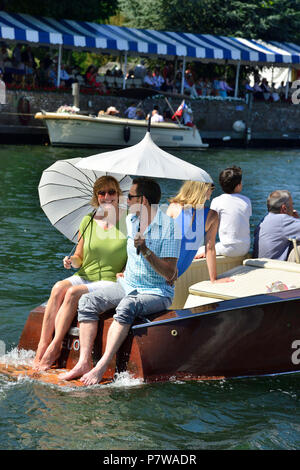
<point>145,159</point>
<point>65,193</point>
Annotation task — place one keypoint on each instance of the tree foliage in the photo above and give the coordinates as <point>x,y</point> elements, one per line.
<point>93,10</point>
<point>260,19</point>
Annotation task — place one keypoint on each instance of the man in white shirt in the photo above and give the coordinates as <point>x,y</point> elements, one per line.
<point>155,116</point>
<point>234,210</point>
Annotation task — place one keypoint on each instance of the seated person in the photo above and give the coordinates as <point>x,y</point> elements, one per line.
<point>266,89</point>
<point>234,211</point>
<point>258,91</point>
<point>28,59</point>
<point>95,243</point>
<point>140,70</point>
<point>130,112</point>
<point>112,111</point>
<point>148,80</point>
<point>271,236</point>
<point>158,79</point>
<point>215,87</point>
<point>65,77</point>
<point>145,287</point>
<point>17,62</point>
<point>281,91</point>
<point>155,116</point>
<point>91,78</point>
<point>139,115</point>
<point>224,88</point>
<point>196,223</point>
<point>189,86</point>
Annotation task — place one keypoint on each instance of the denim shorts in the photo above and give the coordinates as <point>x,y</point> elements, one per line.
<point>140,305</point>
<point>128,307</point>
<point>92,304</point>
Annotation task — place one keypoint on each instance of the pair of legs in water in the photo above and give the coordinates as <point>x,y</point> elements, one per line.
<point>127,308</point>
<point>91,300</point>
<point>59,313</point>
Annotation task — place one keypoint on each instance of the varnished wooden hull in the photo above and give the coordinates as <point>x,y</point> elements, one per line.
<point>257,335</point>
<point>250,336</point>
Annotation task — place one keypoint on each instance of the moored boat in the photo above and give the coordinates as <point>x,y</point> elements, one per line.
<point>76,130</point>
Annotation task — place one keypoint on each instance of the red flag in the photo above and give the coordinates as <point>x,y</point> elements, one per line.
<point>179,111</point>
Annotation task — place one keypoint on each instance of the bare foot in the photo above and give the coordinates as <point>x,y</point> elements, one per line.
<point>93,377</point>
<point>39,355</point>
<point>78,371</point>
<point>36,364</point>
<point>50,356</point>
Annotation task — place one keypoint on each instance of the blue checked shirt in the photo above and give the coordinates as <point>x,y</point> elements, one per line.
<point>162,238</point>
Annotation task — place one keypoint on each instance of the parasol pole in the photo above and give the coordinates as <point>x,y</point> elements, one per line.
<point>75,246</point>
<point>138,250</point>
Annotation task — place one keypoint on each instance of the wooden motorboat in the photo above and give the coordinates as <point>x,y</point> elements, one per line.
<point>250,327</point>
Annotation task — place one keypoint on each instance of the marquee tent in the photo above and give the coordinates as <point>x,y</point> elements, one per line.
<point>42,31</point>
<point>103,37</point>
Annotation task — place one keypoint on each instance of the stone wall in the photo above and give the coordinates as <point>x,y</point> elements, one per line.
<point>212,117</point>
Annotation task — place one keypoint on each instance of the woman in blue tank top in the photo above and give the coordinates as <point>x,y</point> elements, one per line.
<point>196,225</point>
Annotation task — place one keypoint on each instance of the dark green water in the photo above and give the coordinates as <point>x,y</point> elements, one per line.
<point>260,413</point>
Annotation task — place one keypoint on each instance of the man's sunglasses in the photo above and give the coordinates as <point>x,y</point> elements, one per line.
<point>131,196</point>
<point>111,192</point>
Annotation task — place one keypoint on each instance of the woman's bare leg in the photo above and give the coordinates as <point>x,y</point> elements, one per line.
<point>63,321</point>
<point>56,298</point>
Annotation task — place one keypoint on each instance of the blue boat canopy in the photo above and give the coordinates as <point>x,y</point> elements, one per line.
<point>41,31</point>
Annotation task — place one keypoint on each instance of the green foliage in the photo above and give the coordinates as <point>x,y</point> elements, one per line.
<point>93,10</point>
<point>277,19</point>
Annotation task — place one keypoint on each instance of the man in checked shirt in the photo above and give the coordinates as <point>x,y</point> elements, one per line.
<point>145,287</point>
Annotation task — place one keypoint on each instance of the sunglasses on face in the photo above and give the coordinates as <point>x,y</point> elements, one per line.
<point>131,196</point>
<point>110,192</point>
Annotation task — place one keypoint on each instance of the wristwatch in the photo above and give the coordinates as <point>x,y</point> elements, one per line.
<point>147,253</point>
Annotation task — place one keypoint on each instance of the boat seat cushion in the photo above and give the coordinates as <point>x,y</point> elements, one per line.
<point>249,280</point>
<point>272,264</point>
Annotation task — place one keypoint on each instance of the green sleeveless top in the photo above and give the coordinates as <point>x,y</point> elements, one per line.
<point>104,251</point>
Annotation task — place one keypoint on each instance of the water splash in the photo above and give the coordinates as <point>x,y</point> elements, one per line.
<point>17,357</point>
<point>125,379</point>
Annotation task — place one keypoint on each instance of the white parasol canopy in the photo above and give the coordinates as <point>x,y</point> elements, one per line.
<point>145,159</point>
<point>65,193</point>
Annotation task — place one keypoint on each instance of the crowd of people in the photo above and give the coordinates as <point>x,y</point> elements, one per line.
<point>21,66</point>
<point>151,249</point>
<point>167,79</point>
<point>263,91</point>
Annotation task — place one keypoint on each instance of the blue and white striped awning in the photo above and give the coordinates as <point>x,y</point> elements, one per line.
<point>92,36</point>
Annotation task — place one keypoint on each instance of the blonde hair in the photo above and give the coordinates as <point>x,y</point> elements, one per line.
<point>104,182</point>
<point>192,193</point>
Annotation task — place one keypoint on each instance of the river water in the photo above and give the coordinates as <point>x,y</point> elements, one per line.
<point>258,413</point>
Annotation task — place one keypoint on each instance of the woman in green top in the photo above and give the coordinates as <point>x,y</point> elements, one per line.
<point>100,254</point>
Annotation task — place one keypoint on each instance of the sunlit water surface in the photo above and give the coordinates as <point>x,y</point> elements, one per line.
<point>260,413</point>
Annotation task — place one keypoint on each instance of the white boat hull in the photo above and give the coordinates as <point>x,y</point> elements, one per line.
<point>87,131</point>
